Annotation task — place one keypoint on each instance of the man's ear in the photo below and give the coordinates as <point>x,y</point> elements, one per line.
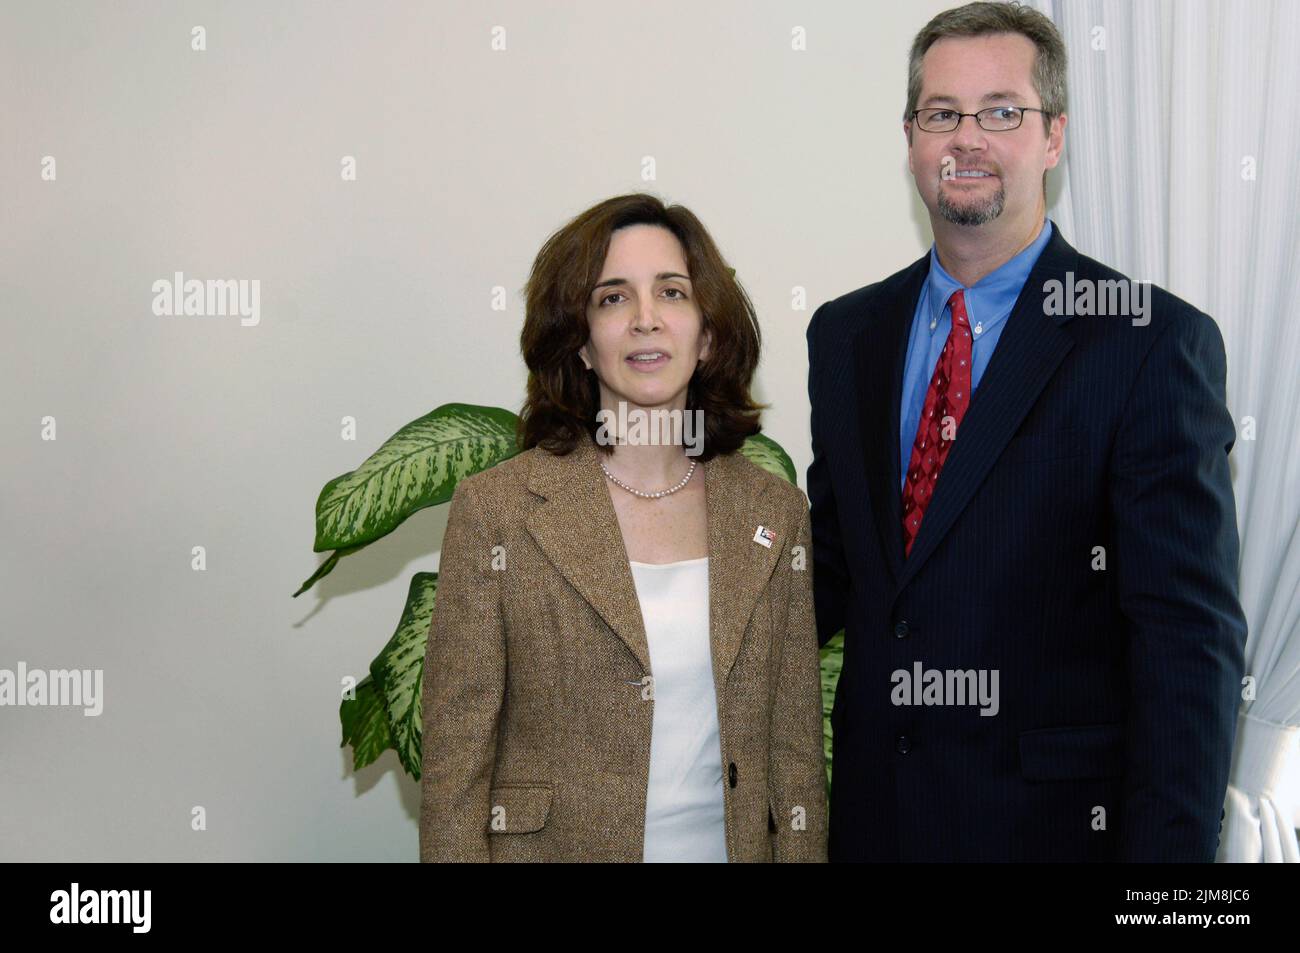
<point>1056,140</point>
<point>907,132</point>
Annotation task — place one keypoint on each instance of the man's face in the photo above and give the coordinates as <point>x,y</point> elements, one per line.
<point>967,74</point>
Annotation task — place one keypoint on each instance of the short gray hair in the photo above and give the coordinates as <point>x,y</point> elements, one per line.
<point>984,19</point>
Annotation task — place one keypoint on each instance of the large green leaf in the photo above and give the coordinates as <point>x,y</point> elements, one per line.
<point>365,724</point>
<point>767,453</point>
<point>418,466</point>
<point>398,670</point>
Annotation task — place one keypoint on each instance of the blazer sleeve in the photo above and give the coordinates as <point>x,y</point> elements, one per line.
<point>796,760</point>
<point>832,574</point>
<point>1175,552</point>
<point>463,689</point>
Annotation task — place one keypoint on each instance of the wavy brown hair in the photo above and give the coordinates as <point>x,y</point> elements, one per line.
<point>564,396</point>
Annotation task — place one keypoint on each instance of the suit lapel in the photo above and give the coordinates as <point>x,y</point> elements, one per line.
<point>880,353</point>
<point>1030,349</point>
<point>577,528</point>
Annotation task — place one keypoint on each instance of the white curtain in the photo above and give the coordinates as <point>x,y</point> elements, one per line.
<point>1182,167</point>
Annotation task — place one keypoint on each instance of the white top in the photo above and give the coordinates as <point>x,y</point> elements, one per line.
<point>685,820</point>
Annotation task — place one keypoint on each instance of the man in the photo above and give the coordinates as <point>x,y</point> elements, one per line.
<point>1021,508</point>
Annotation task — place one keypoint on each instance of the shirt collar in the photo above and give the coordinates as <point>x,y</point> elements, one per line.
<point>989,300</point>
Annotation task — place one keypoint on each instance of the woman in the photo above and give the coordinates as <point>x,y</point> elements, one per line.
<point>622,663</point>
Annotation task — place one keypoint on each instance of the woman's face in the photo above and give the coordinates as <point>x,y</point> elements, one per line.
<point>644,303</point>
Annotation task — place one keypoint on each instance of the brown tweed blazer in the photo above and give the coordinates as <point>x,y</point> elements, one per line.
<point>536,718</point>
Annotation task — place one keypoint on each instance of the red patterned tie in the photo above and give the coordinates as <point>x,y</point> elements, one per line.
<point>948,397</point>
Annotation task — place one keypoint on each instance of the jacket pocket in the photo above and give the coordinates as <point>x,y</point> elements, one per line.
<point>1085,751</point>
<point>519,808</point>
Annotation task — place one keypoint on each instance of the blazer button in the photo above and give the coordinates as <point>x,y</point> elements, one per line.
<point>903,744</point>
<point>901,629</point>
<point>731,774</point>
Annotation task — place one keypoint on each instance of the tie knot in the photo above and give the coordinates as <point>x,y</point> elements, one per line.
<point>958,305</point>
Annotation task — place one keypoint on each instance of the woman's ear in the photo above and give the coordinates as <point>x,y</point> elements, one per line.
<point>582,353</point>
<point>707,346</point>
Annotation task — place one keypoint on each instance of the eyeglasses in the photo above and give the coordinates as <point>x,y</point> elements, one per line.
<point>993,119</point>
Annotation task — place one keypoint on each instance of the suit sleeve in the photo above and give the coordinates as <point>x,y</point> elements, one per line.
<point>796,760</point>
<point>832,576</point>
<point>1175,552</point>
<point>462,692</point>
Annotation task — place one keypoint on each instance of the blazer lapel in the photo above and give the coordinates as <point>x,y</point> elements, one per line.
<point>739,501</point>
<point>577,528</point>
<point>578,531</point>
<point>1030,349</point>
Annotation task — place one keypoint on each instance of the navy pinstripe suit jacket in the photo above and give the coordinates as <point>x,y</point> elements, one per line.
<point>1117,668</point>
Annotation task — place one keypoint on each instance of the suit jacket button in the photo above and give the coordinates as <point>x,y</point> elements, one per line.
<point>731,774</point>
<point>903,744</point>
<point>901,629</point>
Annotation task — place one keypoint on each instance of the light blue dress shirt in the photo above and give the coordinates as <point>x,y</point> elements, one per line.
<point>988,303</point>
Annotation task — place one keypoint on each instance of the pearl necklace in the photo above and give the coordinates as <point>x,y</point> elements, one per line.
<point>651,496</point>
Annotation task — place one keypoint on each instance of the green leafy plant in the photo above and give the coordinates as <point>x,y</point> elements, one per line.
<point>416,467</point>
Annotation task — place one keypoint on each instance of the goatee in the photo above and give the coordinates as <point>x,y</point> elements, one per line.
<point>977,213</point>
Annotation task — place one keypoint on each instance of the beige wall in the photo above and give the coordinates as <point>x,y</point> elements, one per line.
<point>375,302</point>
